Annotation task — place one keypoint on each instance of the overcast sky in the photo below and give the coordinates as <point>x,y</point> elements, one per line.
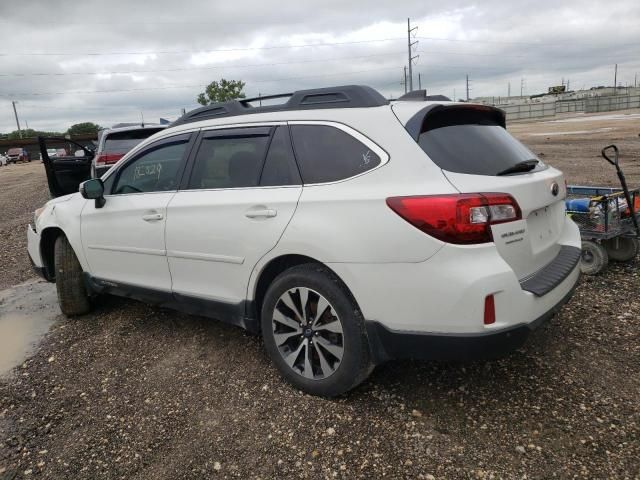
<point>61,58</point>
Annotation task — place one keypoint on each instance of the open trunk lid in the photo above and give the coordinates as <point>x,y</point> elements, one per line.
<point>477,155</point>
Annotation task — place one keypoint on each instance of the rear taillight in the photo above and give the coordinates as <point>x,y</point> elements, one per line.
<point>458,218</point>
<point>108,158</point>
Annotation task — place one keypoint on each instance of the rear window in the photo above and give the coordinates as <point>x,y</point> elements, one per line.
<point>122,142</point>
<point>466,141</point>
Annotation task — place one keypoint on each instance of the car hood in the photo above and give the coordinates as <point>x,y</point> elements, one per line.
<point>64,198</point>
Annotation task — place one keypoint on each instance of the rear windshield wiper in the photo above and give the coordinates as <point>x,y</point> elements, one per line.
<point>524,166</point>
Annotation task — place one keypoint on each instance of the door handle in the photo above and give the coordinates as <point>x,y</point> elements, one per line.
<point>265,213</point>
<point>152,217</point>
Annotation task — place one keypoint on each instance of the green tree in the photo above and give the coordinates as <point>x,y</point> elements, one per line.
<point>85,128</point>
<point>221,91</point>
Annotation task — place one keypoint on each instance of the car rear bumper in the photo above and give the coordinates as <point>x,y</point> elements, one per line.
<point>387,344</point>
<point>446,293</point>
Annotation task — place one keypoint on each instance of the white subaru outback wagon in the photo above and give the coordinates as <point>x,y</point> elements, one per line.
<point>346,229</point>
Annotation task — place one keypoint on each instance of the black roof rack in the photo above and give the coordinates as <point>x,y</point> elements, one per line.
<point>421,96</point>
<point>347,96</point>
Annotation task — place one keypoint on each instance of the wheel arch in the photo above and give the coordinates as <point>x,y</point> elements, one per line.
<point>275,267</point>
<point>48,239</point>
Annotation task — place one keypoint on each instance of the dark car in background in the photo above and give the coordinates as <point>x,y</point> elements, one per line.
<point>15,155</point>
<point>115,142</point>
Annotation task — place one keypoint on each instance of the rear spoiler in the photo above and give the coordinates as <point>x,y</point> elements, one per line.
<point>455,114</point>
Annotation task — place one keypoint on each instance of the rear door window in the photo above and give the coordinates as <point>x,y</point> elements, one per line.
<point>230,159</point>
<point>328,154</point>
<point>471,142</point>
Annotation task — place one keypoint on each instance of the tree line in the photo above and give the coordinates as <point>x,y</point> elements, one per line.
<point>84,128</point>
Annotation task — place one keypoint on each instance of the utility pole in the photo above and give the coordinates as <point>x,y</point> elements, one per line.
<point>567,84</point>
<point>409,50</point>
<point>15,112</point>
<point>419,81</point>
<point>405,80</point>
<point>454,94</point>
<point>615,78</point>
<point>183,111</point>
<point>635,81</point>
<point>509,90</point>
<point>522,87</point>
<point>467,88</point>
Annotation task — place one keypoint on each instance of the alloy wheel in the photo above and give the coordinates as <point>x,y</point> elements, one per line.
<point>308,333</point>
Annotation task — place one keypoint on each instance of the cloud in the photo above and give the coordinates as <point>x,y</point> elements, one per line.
<point>180,47</point>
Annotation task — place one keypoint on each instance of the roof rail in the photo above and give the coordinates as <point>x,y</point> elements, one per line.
<point>421,96</point>
<point>346,96</point>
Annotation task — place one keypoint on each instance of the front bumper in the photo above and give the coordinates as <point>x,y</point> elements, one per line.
<point>386,344</point>
<point>33,248</point>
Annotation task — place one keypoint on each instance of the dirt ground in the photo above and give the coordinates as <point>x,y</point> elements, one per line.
<point>136,392</point>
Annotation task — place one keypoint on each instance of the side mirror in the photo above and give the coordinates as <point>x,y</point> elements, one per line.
<point>93,190</point>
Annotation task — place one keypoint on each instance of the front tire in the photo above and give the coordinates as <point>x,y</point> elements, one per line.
<point>72,292</point>
<point>314,332</point>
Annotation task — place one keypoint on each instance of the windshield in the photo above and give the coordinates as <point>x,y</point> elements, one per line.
<point>471,143</point>
<point>122,142</point>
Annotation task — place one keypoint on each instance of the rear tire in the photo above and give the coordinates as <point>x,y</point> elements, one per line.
<point>72,292</point>
<point>594,257</point>
<point>322,353</point>
<point>622,249</point>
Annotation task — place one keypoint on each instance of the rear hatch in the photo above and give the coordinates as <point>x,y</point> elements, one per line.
<point>476,153</point>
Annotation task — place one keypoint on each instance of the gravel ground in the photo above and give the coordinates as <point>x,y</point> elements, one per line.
<point>23,188</point>
<point>136,392</point>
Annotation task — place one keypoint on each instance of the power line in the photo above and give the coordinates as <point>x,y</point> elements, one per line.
<point>65,22</point>
<point>499,42</point>
<point>182,52</point>
<point>193,69</point>
<point>167,87</point>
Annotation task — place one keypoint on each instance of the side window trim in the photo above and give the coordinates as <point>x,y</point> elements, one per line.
<point>189,137</point>
<point>227,131</point>
<point>377,149</point>
<point>232,132</point>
